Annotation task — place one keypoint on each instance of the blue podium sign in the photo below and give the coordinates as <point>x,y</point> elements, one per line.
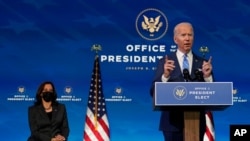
<point>193,94</point>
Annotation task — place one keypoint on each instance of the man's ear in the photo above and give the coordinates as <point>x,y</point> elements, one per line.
<point>175,41</point>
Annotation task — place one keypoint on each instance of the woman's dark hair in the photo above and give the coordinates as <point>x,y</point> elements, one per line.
<point>40,90</point>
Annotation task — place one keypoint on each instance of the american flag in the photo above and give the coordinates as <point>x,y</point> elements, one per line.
<point>209,133</point>
<point>96,121</point>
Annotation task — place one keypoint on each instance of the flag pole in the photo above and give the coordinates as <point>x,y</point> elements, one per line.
<point>96,92</point>
<point>96,48</point>
<point>96,121</point>
<point>209,134</point>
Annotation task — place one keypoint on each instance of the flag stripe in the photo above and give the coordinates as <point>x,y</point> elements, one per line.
<point>98,131</point>
<point>92,128</point>
<point>86,137</point>
<point>104,126</point>
<point>88,134</point>
<point>209,135</point>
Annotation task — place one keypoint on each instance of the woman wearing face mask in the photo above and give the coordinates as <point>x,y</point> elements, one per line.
<point>47,118</point>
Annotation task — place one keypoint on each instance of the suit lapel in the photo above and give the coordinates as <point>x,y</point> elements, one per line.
<point>194,64</point>
<point>54,112</point>
<point>42,112</point>
<point>197,64</point>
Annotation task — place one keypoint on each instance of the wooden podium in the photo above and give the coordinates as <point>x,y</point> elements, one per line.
<point>193,97</point>
<point>191,125</point>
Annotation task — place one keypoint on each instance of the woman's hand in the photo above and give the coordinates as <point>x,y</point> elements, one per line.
<point>58,138</point>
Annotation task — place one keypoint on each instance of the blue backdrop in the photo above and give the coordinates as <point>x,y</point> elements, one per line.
<point>52,39</point>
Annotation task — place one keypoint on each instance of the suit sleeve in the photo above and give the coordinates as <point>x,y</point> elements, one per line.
<point>65,125</point>
<point>158,75</point>
<point>35,134</point>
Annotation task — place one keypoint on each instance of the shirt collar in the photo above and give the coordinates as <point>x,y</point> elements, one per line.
<point>180,54</point>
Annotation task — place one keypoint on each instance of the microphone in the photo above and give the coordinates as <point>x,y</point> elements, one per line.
<point>198,75</point>
<point>186,75</point>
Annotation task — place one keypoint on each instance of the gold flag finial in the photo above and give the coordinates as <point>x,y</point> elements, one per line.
<point>96,48</point>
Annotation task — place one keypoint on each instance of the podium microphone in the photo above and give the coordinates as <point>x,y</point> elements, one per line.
<point>198,75</point>
<point>186,75</point>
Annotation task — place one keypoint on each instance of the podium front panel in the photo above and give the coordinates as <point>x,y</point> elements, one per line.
<point>193,94</point>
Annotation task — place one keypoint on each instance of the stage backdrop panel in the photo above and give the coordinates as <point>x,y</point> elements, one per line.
<point>52,39</point>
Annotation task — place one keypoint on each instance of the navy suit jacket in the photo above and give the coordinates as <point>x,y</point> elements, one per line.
<point>42,128</point>
<point>174,120</point>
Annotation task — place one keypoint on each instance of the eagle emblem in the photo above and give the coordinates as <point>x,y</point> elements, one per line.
<point>118,90</point>
<point>21,89</point>
<point>68,90</point>
<point>151,24</point>
<point>96,48</point>
<point>180,92</point>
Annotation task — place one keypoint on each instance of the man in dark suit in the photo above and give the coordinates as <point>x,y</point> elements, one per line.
<point>170,69</point>
<point>47,118</point>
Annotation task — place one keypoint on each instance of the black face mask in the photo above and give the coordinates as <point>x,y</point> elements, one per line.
<point>48,96</point>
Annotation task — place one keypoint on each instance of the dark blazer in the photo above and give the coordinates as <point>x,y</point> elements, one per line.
<point>42,128</point>
<point>174,120</point>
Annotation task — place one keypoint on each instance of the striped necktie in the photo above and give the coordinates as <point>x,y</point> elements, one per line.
<point>185,64</point>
